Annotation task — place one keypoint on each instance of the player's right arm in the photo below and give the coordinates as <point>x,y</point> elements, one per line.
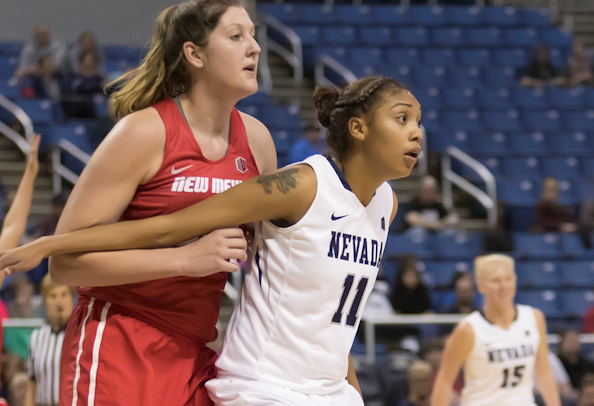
<point>130,156</point>
<point>31,393</point>
<point>457,349</point>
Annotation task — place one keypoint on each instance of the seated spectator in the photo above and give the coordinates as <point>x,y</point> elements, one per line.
<point>541,71</point>
<point>87,41</point>
<point>420,383</point>
<point>562,379</point>
<point>432,352</point>
<point>43,364</point>
<point>42,45</point>
<point>48,83</point>
<point>586,224</point>
<point>549,215</point>
<point>580,67</point>
<point>22,304</point>
<point>310,144</point>
<point>576,366</point>
<point>427,211</point>
<point>410,294</point>
<point>464,301</point>
<point>84,86</point>
<point>588,321</point>
<point>586,396</point>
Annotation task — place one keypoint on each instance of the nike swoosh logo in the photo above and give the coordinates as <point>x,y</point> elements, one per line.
<point>334,218</point>
<point>176,171</point>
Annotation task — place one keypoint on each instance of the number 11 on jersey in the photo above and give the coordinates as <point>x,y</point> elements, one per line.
<point>352,316</point>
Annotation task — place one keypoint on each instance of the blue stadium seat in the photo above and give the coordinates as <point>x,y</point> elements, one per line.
<point>493,164</point>
<point>353,15</point>
<point>576,302</point>
<point>75,133</point>
<point>467,77</point>
<point>484,37</point>
<point>585,189</point>
<point>502,16</point>
<point>430,98</point>
<point>418,243</point>
<point>417,37</point>
<point>561,168</point>
<point>439,141</point>
<point>430,76</point>
<point>538,274</point>
<point>40,111</point>
<point>590,97</point>
<point>475,57</point>
<point>463,98</point>
<point>439,57</point>
<point>339,35</point>
<point>558,57</point>
<point>503,121</point>
<point>588,168</point>
<point>495,98</point>
<point>500,77</point>
<point>321,14</point>
<point>557,38</point>
<point>447,37</point>
<point>522,168</point>
<point>579,120</point>
<point>442,272</point>
<point>428,16</point>
<point>10,48</point>
<point>281,118</point>
<point>283,140</point>
<point>368,56</point>
<point>534,144</point>
<point>520,193</point>
<point>521,37</point>
<point>516,57</point>
<point>469,120</point>
<point>465,16</point>
<point>567,99</point>
<point>309,34</point>
<point>287,13</point>
<point>531,98</point>
<point>376,36</point>
<point>9,88</point>
<point>535,17</point>
<point>459,244</point>
<point>390,15</point>
<point>338,53</point>
<point>573,247</point>
<point>578,273</point>
<point>543,120</point>
<point>403,56</point>
<point>568,194</point>
<point>494,145</point>
<point>432,121</point>
<point>544,300</point>
<point>8,65</point>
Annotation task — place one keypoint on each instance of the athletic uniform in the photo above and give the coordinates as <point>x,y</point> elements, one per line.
<point>500,367</point>
<point>144,343</point>
<point>289,339</point>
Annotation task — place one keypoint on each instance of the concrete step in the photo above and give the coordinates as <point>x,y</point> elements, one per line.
<point>10,155</point>
<point>289,82</point>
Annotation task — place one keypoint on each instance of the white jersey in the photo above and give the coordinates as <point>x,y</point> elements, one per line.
<point>500,367</point>
<point>306,287</point>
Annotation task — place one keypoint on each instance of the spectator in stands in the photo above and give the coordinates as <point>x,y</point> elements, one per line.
<point>580,67</point>
<point>465,293</point>
<point>48,83</point>
<point>84,87</point>
<point>427,211</point>
<point>420,383</point>
<point>549,215</point>
<point>87,41</point>
<point>432,352</point>
<point>312,143</point>
<point>586,396</point>
<point>586,224</point>
<point>566,391</point>
<point>44,354</point>
<point>410,294</point>
<point>49,223</point>
<point>575,364</point>
<point>22,305</point>
<point>588,321</point>
<point>42,45</point>
<point>541,71</point>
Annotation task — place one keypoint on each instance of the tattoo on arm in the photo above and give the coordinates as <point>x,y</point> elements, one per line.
<point>284,181</point>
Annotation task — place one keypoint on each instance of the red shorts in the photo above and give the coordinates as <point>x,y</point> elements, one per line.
<point>112,359</point>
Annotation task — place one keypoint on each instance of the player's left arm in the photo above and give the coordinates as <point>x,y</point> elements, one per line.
<point>352,376</point>
<point>542,369</point>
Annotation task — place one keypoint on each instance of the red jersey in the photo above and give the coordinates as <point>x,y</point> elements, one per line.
<point>181,305</point>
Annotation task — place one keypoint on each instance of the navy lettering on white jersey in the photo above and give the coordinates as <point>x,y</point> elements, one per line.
<point>346,247</point>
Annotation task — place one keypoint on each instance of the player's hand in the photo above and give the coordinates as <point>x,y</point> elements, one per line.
<point>33,158</point>
<point>22,259</point>
<point>219,251</point>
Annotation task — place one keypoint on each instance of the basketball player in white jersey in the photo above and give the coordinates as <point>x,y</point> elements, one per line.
<point>500,348</point>
<point>315,256</point>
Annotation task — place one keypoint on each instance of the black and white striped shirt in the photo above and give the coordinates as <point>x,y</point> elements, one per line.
<point>45,351</point>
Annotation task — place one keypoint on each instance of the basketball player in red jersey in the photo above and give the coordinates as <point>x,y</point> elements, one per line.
<point>138,335</point>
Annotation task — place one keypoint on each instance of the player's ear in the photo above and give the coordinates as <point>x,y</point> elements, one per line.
<point>194,54</point>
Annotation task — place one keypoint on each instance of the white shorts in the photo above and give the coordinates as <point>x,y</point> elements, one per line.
<point>238,391</point>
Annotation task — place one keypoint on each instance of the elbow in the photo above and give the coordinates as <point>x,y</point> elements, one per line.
<point>58,269</point>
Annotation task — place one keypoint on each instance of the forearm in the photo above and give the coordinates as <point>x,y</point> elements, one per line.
<point>31,393</point>
<point>16,218</point>
<point>548,387</point>
<point>442,394</point>
<point>115,267</point>
<point>352,377</point>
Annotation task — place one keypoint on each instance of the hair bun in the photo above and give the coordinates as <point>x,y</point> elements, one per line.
<point>324,99</point>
